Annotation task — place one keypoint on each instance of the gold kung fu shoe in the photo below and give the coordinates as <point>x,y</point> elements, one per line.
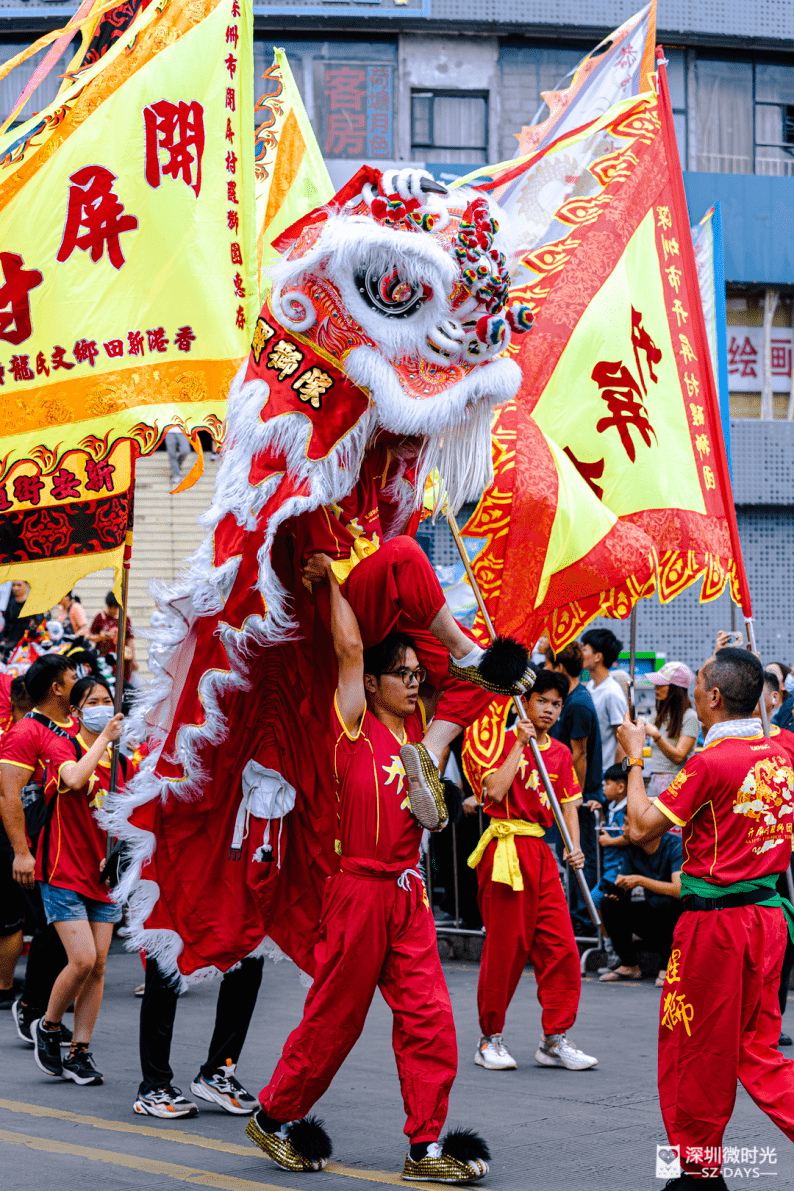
<point>503,669</point>
<point>424,786</point>
<point>462,1157</point>
<point>298,1146</point>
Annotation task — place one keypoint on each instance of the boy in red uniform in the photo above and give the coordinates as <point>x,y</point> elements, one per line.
<point>377,929</point>
<point>520,893</point>
<point>720,1017</point>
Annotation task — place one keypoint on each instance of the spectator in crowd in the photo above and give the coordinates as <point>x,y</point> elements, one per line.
<point>674,727</point>
<point>178,447</point>
<point>69,861</point>
<point>104,634</point>
<point>72,615</point>
<point>781,671</point>
<point>600,649</point>
<point>578,729</point>
<point>647,905</point>
<point>784,716</point>
<point>15,624</point>
<point>611,837</point>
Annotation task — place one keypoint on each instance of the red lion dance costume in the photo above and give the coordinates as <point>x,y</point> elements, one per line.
<point>377,359</point>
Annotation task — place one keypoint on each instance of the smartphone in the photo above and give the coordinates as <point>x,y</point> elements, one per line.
<point>611,887</point>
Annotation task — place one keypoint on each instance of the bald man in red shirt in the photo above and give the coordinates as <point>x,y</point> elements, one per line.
<point>377,929</point>
<point>720,1017</point>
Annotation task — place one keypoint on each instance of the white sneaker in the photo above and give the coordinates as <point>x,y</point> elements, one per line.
<point>494,1055</point>
<point>557,1051</point>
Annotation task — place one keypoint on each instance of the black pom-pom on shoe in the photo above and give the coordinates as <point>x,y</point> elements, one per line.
<point>453,797</point>
<point>466,1146</point>
<point>505,662</point>
<point>311,1139</point>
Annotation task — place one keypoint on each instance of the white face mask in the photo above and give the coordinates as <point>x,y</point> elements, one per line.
<point>97,718</point>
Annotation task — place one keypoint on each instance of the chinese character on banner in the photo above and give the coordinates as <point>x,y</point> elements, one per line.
<point>15,325</point>
<point>178,130</point>
<point>27,489</point>
<point>65,485</point>
<point>96,212</point>
<point>20,368</point>
<point>780,357</point>
<point>622,393</point>
<point>183,339</point>
<point>743,358</point>
<point>156,340</point>
<point>380,108</point>
<point>99,475</point>
<point>345,111</point>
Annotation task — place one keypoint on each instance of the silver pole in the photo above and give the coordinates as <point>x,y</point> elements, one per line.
<point>533,744</point>
<point>632,659</point>
<point>751,642</point>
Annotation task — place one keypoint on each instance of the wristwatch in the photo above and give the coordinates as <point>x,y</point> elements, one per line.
<point>628,762</point>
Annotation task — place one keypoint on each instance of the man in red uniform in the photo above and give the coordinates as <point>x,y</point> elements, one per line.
<point>24,753</point>
<point>377,930</point>
<point>520,893</point>
<point>720,1017</point>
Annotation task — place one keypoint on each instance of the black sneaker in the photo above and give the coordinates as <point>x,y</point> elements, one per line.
<point>22,1020</point>
<point>79,1066</point>
<point>47,1049</point>
<point>66,1035</point>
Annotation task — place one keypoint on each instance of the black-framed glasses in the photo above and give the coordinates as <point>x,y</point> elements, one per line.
<point>408,676</point>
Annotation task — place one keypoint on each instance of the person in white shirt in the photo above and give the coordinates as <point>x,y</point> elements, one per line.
<point>600,649</point>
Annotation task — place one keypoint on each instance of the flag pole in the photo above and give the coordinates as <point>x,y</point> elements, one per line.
<point>121,641</point>
<point>533,744</point>
<point>632,659</point>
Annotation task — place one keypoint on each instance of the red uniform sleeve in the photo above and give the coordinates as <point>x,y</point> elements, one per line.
<point>683,797</point>
<point>568,784</point>
<point>19,746</point>
<point>62,752</point>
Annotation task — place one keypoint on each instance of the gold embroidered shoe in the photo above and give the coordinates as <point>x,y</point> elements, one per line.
<point>297,1145</point>
<point>503,669</point>
<point>424,786</point>
<point>462,1157</point>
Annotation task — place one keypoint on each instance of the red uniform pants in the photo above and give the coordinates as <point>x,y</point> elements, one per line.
<point>396,588</point>
<point>531,924</point>
<point>719,1021</point>
<point>374,934</point>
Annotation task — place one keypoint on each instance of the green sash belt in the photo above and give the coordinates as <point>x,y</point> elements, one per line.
<point>699,888</point>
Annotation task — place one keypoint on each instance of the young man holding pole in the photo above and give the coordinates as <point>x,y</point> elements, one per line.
<point>520,894</point>
<point>720,1017</point>
<point>377,929</point>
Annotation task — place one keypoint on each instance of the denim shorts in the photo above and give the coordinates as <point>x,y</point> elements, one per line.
<point>64,905</point>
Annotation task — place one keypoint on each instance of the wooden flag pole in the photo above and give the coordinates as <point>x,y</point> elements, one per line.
<point>533,744</point>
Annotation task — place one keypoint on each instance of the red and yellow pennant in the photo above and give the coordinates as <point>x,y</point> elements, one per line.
<point>617,369</point>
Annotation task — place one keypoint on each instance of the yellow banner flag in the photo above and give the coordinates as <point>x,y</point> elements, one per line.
<point>291,175</point>
<point>128,284</point>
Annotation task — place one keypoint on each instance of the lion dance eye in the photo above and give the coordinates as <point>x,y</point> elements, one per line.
<point>389,294</point>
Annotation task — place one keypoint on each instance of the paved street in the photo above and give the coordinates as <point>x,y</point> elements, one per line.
<point>548,1129</point>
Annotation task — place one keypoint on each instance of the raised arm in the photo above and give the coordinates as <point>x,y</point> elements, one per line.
<point>497,784</point>
<point>350,698</point>
<point>643,820</point>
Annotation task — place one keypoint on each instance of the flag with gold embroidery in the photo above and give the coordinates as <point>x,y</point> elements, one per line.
<point>127,271</point>
<point>617,371</point>
<point>291,175</point>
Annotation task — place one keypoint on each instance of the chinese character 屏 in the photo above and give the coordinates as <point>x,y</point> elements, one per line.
<point>624,401</point>
<point>93,206</point>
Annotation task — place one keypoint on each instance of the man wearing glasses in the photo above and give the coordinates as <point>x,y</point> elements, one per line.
<point>377,930</point>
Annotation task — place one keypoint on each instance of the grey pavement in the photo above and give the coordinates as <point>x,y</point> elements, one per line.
<point>548,1129</point>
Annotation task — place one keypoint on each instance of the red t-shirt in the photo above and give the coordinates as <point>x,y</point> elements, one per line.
<point>486,746</point>
<point>734,801</point>
<point>29,744</point>
<point>784,738</point>
<point>6,719</point>
<point>74,849</point>
<point>373,817</point>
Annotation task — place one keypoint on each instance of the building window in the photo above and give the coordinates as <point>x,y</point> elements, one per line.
<point>450,126</point>
<point>774,119</point>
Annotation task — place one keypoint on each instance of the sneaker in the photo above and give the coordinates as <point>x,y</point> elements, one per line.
<point>140,990</point>
<point>79,1066</point>
<point>224,1088</point>
<point>462,1157</point>
<point>22,1021</point>
<point>424,786</point>
<point>164,1102</point>
<point>784,1040</point>
<point>296,1145</point>
<point>556,1051</point>
<point>47,1049</point>
<point>66,1035</point>
<point>493,1054</point>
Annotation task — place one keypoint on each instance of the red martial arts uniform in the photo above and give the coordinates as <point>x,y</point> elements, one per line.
<point>377,931</point>
<point>720,1016</point>
<point>530,922</point>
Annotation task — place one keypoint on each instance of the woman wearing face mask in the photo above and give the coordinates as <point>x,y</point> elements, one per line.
<point>70,856</point>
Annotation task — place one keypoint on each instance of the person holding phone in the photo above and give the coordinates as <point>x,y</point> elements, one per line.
<point>69,860</point>
<point>674,728</point>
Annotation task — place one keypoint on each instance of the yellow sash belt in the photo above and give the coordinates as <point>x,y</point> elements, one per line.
<point>506,868</point>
